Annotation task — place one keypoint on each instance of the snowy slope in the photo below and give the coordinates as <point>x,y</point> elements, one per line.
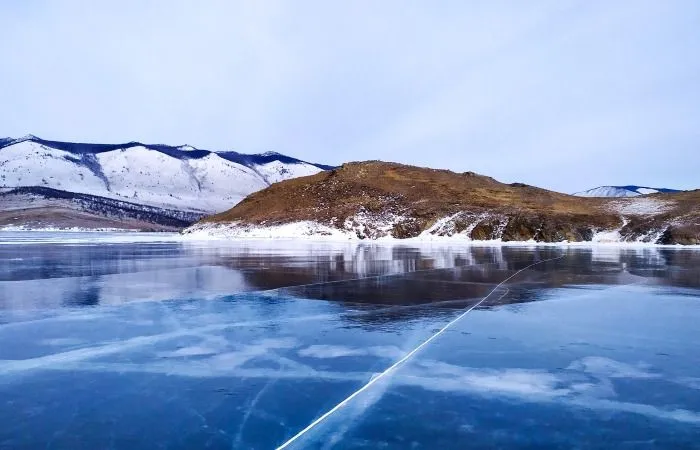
<point>622,191</point>
<point>182,178</point>
<point>276,171</point>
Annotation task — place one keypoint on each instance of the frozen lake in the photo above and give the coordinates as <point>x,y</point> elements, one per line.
<point>107,343</point>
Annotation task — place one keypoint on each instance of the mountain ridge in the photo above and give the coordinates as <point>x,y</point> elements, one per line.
<point>184,151</point>
<point>45,208</point>
<point>171,177</point>
<point>624,191</point>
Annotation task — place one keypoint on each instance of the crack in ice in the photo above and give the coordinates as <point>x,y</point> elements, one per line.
<point>405,358</point>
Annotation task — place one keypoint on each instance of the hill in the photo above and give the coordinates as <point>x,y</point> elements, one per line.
<point>166,179</point>
<point>46,208</point>
<point>378,199</point>
<point>182,177</point>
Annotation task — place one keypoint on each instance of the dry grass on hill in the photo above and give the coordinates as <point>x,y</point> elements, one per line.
<point>424,196</point>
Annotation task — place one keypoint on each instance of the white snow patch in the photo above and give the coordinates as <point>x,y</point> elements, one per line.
<point>640,206</point>
<point>608,236</point>
<point>293,230</point>
<point>645,191</point>
<point>372,225</point>
<point>276,171</point>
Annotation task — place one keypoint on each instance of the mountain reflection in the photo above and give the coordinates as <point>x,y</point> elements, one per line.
<point>54,275</point>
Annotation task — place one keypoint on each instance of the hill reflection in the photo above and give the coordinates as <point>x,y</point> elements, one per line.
<point>55,275</point>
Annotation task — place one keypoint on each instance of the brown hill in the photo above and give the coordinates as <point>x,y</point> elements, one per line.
<point>373,199</point>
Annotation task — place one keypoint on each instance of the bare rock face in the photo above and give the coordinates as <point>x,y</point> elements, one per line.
<point>376,199</point>
<point>406,229</point>
<point>520,228</point>
<point>485,230</point>
<point>684,235</point>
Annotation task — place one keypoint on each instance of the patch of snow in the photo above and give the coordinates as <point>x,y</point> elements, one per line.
<point>645,191</point>
<point>607,236</point>
<point>443,226</point>
<point>277,171</point>
<point>652,236</point>
<point>372,225</point>
<point>447,226</point>
<point>293,230</point>
<point>640,206</point>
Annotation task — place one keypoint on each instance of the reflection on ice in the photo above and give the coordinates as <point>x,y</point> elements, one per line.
<point>54,276</point>
<point>243,345</point>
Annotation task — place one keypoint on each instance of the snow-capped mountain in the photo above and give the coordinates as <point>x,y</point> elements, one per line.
<point>182,178</point>
<point>622,191</point>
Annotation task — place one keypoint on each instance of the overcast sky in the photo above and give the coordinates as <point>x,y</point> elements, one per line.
<point>566,95</point>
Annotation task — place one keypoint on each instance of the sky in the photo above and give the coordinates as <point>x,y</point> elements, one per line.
<point>566,95</point>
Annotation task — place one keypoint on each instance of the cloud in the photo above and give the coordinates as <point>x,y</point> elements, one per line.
<point>563,94</point>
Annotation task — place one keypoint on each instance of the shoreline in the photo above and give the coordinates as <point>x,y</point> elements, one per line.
<point>108,235</point>
<point>310,231</point>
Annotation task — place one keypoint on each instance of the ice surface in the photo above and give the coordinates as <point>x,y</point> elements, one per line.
<point>199,344</point>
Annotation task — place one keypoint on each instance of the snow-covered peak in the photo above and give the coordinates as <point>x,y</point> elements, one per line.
<point>182,177</point>
<point>181,152</point>
<point>622,191</point>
